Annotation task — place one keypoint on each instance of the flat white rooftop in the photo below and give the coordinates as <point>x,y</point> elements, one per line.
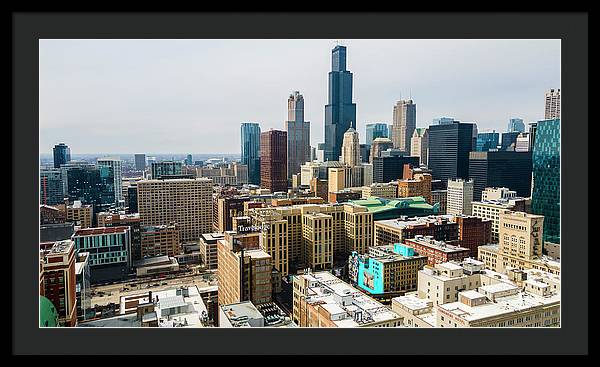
<point>503,305</point>
<point>326,295</point>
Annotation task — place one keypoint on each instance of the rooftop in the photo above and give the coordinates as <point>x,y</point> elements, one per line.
<point>377,205</point>
<point>428,241</point>
<point>404,222</point>
<point>503,305</point>
<point>329,289</point>
<point>100,231</point>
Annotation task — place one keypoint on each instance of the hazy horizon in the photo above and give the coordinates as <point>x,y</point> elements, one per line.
<point>181,96</point>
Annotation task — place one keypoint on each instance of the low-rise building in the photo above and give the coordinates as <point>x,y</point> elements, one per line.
<point>386,270</point>
<point>245,314</point>
<point>156,265</point>
<point>160,240</point>
<point>380,190</point>
<point>323,300</point>
<point>441,227</point>
<point>175,307</point>
<point>437,251</point>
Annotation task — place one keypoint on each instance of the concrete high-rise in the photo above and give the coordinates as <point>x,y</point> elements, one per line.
<point>379,145</point>
<point>298,135</point>
<point>62,154</point>
<point>273,160</point>
<point>404,124</point>
<point>187,202</point>
<point>552,108</point>
<point>419,144</point>
<point>459,197</point>
<point>351,148</point>
<point>449,147</point>
<point>117,166</point>
<point>340,112</point>
<point>140,162</point>
<point>250,150</point>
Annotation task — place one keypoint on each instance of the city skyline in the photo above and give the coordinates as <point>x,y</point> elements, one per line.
<point>102,81</point>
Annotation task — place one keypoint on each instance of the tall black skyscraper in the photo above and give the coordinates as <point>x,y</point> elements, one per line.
<point>62,154</point>
<point>449,147</point>
<point>340,112</point>
<point>500,169</point>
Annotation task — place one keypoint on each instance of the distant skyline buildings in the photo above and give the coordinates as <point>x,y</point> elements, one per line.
<point>516,124</point>
<point>250,150</point>
<point>404,124</point>
<point>376,130</point>
<point>376,61</point>
<point>62,154</point>
<point>298,135</point>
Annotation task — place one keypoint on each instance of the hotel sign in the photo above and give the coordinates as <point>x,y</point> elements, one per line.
<point>248,229</point>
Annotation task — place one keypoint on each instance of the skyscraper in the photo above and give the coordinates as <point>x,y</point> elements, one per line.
<point>117,166</point>
<point>273,160</point>
<point>376,130</point>
<point>89,184</point>
<point>250,139</point>
<point>545,198</point>
<point>340,112</point>
<point>165,168</point>
<point>500,169</point>
<point>516,124</point>
<point>52,188</point>
<point>351,148</point>
<point>509,141</point>
<point>404,124</point>
<point>487,141</point>
<point>298,135</point>
<point>419,144</point>
<point>140,162</point>
<point>552,110</point>
<point>379,145</point>
<point>62,154</point>
<point>449,147</point>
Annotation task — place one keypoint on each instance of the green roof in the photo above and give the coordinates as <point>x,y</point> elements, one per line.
<point>377,205</point>
<point>48,313</point>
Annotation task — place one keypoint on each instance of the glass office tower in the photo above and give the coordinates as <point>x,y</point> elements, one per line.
<point>516,124</point>
<point>340,112</point>
<point>545,197</point>
<point>487,141</point>
<point>250,152</point>
<point>62,154</point>
<point>376,130</point>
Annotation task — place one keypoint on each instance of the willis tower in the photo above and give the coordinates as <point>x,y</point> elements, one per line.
<point>340,112</point>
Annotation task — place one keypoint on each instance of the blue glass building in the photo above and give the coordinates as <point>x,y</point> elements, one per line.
<point>340,112</point>
<point>487,141</point>
<point>90,184</point>
<point>516,125</point>
<point>250,152</point>
<point>62,154</point>
<point>376,130</point>
<point>545,197</point>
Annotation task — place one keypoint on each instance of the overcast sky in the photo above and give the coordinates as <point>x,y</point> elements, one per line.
<point>190,96</point>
